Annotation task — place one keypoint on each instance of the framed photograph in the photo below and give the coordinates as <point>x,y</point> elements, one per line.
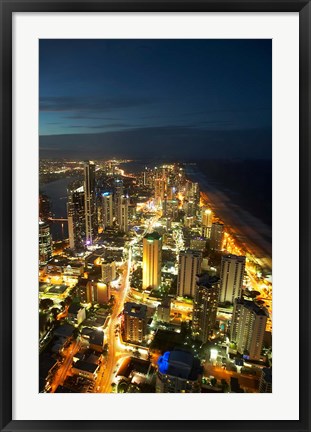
<point>155,215</point>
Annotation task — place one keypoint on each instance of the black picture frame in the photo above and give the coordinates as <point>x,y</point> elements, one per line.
<point>7,9</point>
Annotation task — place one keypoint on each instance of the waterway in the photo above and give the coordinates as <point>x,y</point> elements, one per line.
<point>57,193</point>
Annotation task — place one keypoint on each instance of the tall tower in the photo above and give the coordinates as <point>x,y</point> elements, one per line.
<point>248,328</point>
<point>217,235</point>
<point>107,206</point>
<point>207,217</point>
<point>231,277</point>
<point>189,267</point>
<point>124,209</point>
<point>118,194</point>
<point>45,243</point>
<point>205,307</point>
<point>134,322</point>
<point>76,217</point>
<point>159,189</point>
<point>152,260</point>
<point>90,202</point>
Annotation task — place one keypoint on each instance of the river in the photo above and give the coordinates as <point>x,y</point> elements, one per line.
<point>57,193</point>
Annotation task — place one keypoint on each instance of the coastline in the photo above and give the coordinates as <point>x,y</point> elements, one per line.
<point>250,233</point>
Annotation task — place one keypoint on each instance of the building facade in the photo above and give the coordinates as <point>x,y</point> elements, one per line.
<point>45,243</point>
<point>134,322</point>
<point>189,266</point>
<point>91,227</point>
<point>107,210</point>
<point>231,277</point>
<point>108,271</point>
<point>248,328</point>
<point>217,236</point>
<point>76,217</point>
<point>205,307</point>
<point>152,260</point>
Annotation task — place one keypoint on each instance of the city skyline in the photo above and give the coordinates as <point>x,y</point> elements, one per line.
<point>163,303</point>
<point>155,234</point>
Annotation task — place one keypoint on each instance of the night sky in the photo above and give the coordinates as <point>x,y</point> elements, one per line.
<point>175,99</point>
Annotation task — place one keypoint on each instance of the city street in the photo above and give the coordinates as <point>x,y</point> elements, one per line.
<point>62,372</point>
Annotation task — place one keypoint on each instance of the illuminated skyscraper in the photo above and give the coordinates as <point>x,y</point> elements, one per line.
<point>117,198</point>
<point>207,218</point>
<point>179,372</point>
<point>160,189</point>
<point>107,212</point>
<point>189,266</point>
<point>76,217</point>
<point>134,322</point>
<point>217,235</point>
<point>231,277</point>
<point>90,202</point>
<point>45,243</point>
<point>152,260</point>
<point>205,307</point>
<point>248,328</point>
<point>124,208</point>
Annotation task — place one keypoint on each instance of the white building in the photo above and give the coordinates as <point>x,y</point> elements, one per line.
<point>248,328</point>
<point>231,277</point>
<point>189,266</point>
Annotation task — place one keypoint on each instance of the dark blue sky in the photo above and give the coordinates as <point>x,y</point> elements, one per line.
<point>165,98</point>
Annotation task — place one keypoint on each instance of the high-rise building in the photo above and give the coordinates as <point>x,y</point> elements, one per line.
<point>164,311</point>
<point>76,217</point>
<point>205,307</point>
<point>107,209</point>
<point>134,322</point>
<point>108,271</point>
<point>160,189</point>
<point>189,266</point>
<point>178,372</point>
<point>45,243</point>
<point>207,219</point>
<point>124,208</point>
<point>117,198</point>
<point>248,328</point>
<point>152,260</point>
<point>265,383</point>
<point>231,277</point>
<point>90,202</point>
<point>217,235</point>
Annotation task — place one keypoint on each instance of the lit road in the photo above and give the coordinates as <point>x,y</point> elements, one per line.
<point>115,348</point>
<point>105,378</point>
<point>62,372</point>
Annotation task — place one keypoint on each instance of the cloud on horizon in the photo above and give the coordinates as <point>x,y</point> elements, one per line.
<point>171,142</point>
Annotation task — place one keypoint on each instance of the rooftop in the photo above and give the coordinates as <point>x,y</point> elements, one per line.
<point>135,310</point>
<point>249,304</point>
<point>180,364</point>
<point>153,236</point>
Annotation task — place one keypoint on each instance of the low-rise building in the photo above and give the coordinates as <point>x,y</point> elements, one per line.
<point>179,372</point>
<point>76,314</point>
